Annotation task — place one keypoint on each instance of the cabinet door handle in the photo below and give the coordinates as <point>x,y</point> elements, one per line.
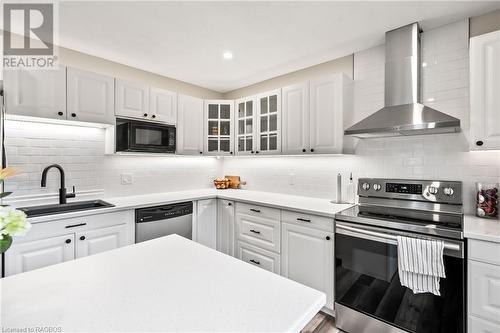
<point>68,241</point>
<point>75,225</point>
<point>82,237</point>
<point>327,237</point>
<point>201,152</point>
<point>312,150</point>
<point>73,115</point>
<point>303,150</point>
<point>145,115</point>
<point>153,116</point>
<point>303,220</point>
<point>229,204</point>
<point>255,261</point>
<point>255,231</point>
<point>255,210</point>
<point>60,113</point>
<point>479,143</point>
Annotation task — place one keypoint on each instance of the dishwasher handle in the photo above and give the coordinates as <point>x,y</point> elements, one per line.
<point>163,212</point>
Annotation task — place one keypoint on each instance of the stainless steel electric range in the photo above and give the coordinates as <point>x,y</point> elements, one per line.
<point>368,295</point>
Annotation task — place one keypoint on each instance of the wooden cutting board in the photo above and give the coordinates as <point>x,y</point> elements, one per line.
<point>234,181</point>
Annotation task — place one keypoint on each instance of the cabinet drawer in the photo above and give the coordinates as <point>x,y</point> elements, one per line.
<point>256,210</point>
<point>477,325</point>
<point>61,226</point>
<point>484,251</point>
<point>258,257</point>
<point>259,231</point>
<point>324,223</point>
<point>484,290</point>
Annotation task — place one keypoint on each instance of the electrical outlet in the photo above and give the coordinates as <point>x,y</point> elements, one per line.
<point>127,178</point>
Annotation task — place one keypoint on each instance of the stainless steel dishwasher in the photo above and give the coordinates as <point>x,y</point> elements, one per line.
<point>158,221</point>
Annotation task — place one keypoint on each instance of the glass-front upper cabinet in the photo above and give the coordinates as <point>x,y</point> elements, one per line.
<point>219,127</point>
<point>245,126</point>
<point>269,122</point>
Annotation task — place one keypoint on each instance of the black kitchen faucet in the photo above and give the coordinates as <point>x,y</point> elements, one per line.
<point>62,191</point>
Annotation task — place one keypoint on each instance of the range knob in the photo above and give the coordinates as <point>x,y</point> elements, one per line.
<point>377,187</point>
<point>448,191</point>
<point>366,186</point>
<point>433,190</point>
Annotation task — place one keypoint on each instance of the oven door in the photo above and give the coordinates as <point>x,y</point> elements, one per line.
<point>369,296</point>
<point>154,138</point>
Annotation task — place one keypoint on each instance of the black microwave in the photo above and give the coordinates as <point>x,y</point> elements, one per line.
<point>143,136</point>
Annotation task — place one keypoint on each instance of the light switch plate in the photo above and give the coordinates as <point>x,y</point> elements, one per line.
<point>127,178</point>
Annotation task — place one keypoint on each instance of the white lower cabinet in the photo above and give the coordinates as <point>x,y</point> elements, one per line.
<point>39,253</point>
<point>100,240</point>
<point>307,257</point>
<point>205,223</point>
<point>57,241</point>
<point>483,288</point>
<point>225,226</point>
<point>256,256</point>
<point>477,325</point>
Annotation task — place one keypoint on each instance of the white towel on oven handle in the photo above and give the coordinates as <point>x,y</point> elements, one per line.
<point>420,264</point>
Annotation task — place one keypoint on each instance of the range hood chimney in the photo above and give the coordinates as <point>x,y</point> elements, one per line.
<point>403,114</point>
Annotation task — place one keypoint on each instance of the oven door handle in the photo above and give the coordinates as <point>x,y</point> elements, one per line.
<point>390,239</point>
<point>364,234</point>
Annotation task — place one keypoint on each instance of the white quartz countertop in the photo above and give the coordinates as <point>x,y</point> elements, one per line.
<point>310,205</point>
<point>482,229</point>
<point>168,284</point>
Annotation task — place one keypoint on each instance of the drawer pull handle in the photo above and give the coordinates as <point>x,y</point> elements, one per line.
<point>255,231</point>
<point>75,225</point>
<point>255,261</point>
<point>303,220</point>
<point>255,210</point>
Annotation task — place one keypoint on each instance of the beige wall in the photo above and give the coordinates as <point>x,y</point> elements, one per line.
<point>485,23</point>
<point>344,64</point>
<point>77,59</point>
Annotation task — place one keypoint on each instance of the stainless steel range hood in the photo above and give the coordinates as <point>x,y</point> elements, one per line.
<point>403,113</point>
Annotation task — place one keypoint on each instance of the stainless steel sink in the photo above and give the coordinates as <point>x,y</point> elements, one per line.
<point>64,208</point>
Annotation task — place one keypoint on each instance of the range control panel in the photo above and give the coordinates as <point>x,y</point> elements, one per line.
<point>409,189</point>
<point>403,188</point>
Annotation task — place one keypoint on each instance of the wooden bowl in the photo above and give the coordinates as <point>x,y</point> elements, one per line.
<point>221,184</point>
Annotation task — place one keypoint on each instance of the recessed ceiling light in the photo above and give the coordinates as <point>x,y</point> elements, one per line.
<point>227,55</point>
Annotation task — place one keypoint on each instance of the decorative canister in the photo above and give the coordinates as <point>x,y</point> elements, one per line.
<point>487,200</point>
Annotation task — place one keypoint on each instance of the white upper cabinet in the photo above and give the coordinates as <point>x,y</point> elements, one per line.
<point>312,115</point>
<point>295,120</point>
<point>246,131</point>
<point>163,105</point>
<point>37,93</point>
<point>219,127</point>
<point>268,118</point>
<point>90,96</point>
<point>132,99</point>
<point>326,100</point>
<point>485,91</point>
<point>189,125</point>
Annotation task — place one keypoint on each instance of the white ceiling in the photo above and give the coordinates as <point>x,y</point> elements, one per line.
<point>185,40</point>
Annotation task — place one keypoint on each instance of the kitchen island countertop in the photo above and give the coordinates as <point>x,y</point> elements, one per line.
<point>166,284</point>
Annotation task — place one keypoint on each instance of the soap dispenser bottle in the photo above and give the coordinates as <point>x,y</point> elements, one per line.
<point>350,191</point>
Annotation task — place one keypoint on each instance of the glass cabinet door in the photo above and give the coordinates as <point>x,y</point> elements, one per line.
<point>269,122</point>
<point>218,115</point>
<point>245,131</point>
